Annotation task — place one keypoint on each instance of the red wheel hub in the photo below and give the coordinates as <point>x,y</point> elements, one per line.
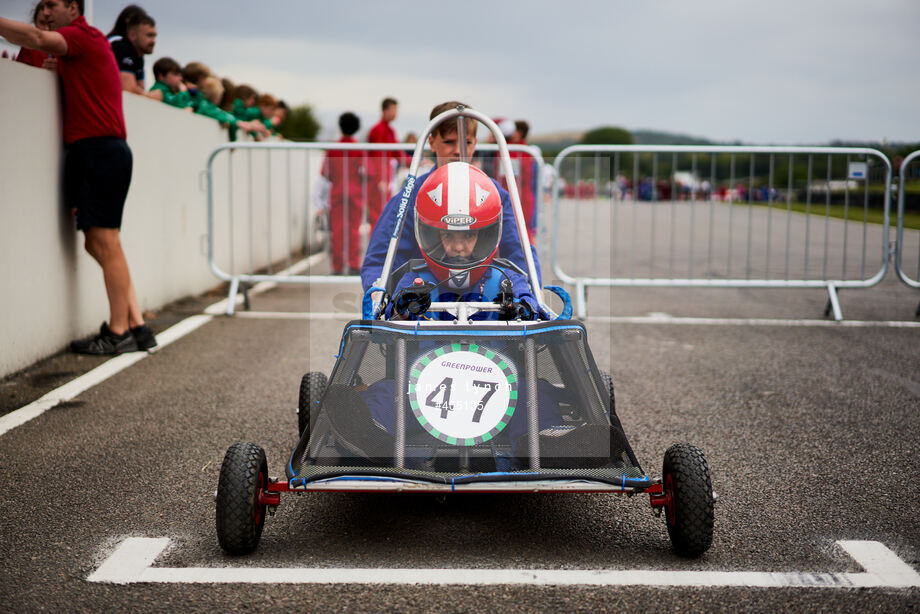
<point>662,495</point>
<point>670,506</point>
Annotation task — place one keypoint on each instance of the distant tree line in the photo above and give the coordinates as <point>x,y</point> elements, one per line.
<point>301,124</point>
<point>815,177</point>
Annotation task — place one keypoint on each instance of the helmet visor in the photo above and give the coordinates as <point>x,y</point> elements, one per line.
<point>458,249</point>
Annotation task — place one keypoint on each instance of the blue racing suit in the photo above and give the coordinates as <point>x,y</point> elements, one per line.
<point>407,248</point>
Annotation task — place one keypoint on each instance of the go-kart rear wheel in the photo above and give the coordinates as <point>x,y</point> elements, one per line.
<point>312,387</point>
<point>608,382</point>
<point>240,515</point>
<point>690,509</point>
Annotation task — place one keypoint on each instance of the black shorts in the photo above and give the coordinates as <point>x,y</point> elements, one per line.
<point>97,174</point>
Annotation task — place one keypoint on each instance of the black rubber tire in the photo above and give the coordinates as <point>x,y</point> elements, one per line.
<point>691,515</point>
<point>312,387</point>
<point>608,382</point>
<point>240,517</point>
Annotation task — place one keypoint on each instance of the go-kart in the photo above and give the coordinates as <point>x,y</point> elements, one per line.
<point>462,406</point>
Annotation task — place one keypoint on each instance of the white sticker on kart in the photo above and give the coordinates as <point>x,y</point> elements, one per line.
<point>463,394</point>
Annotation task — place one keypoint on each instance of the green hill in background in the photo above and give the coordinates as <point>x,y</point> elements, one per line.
<point>655,137</point>
<point>559,140</point>
<point>555,142</point>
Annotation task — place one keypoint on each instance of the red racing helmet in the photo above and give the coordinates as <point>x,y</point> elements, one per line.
<point>458,223</point>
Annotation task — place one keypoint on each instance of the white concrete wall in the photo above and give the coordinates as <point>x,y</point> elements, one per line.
<point>51,291</point>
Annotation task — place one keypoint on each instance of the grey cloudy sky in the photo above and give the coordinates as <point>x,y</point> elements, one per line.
<point>783,72</point>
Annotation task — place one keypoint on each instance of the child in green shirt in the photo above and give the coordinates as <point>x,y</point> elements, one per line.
<point>169,87</point>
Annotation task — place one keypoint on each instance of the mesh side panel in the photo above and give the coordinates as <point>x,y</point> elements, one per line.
<point>449,402</point>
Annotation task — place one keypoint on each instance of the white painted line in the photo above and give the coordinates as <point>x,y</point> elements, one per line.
<point>297,315</point>
<point>101,373</point>
<point>131,563</point>
<point>666,319</point>
<point>220,307</point>
<point>131,558</point>
<point>181,329</point>
<point>882,563</point>
<point>119,363</point>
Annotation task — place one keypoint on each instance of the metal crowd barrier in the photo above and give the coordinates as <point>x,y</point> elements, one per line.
<point>263,207</point>
<point>718,216</point>
<point>902,251</point>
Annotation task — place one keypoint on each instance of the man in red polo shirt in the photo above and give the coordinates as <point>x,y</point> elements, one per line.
<point>380,163</point>
<point>97,162</point>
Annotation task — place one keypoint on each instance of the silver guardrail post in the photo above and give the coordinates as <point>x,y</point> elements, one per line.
<point>899,237</point>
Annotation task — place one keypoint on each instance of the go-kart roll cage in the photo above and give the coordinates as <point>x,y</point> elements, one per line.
<point>376,293</point>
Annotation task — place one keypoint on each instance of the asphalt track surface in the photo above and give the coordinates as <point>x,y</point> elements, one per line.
<point>811,431</point>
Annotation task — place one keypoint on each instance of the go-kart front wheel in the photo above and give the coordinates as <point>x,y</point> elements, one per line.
<point>689,513</point>
<point>240,513</point>
<point>312,387</point>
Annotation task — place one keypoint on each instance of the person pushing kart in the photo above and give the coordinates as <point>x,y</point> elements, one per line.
<point>458,229</point>
<point>444,142</point>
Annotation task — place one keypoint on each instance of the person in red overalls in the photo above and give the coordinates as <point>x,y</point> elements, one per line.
<point>525,175</point>
<point>380,165</point>
<point>344,169</point>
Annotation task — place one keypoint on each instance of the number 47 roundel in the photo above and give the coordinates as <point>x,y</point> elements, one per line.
<point>463,394</point>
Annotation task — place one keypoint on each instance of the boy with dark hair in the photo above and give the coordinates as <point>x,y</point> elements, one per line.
<point>97,163</point>
<point>381,164</point>
<point>168,86</point>
<point>444,142</point>
<point>344,170</point>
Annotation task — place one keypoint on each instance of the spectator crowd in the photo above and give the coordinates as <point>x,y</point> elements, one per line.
<point>360,182</point>
<point>193,87</point>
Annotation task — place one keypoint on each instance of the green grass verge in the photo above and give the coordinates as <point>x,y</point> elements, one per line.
<point>910,187</point>
<point>855,214</point>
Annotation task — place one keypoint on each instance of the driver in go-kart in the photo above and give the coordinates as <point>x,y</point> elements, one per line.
<point>458,222</point>
<point>458,227</point>
<point>445,144</point>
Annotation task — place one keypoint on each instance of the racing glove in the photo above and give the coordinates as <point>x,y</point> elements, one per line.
<point>414,299</point>
<point>518,309</point>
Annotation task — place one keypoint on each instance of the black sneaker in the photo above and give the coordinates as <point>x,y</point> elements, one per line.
<point>144,337</point>
<point>105,343</point>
